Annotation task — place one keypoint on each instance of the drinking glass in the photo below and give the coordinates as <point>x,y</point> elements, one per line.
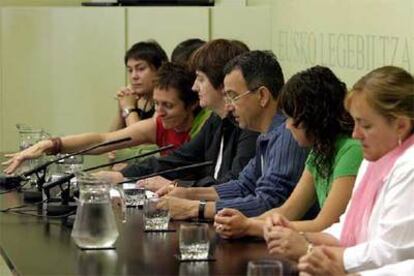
<point>134,195</point>
<point>155,218</point>
<point>28,137</point>
<point>264,268</point>
<point>72,164</point>
<point>194,241</point>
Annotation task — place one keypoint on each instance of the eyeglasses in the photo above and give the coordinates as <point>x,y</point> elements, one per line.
<point>231,99</point>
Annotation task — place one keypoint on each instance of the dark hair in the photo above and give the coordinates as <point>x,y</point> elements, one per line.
<point>314,98</point>
<point>178,77</point>
<point>213,56</point>
<point>149,51</point>
<point>183,51</point>
<point>259,68</point>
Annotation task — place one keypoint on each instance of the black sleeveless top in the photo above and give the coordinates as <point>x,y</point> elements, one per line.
<point>145,114</point>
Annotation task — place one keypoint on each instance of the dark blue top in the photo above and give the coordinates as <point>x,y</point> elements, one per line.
<point>270,177</point>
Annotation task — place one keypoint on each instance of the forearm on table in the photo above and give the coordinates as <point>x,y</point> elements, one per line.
<point>210,210</point>
<point>307,226</point>
<point>250,206</point>
<point>280,210</point>
<point>200,193</point>
<point>318,238</point>
<point>265,215</point>
<point>255,227</point>
<point>315,225</point>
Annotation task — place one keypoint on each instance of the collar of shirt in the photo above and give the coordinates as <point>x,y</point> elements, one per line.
<point>277,121</point>
<point>263,140</point>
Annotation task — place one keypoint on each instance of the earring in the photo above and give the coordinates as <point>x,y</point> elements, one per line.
<point>399,140</point>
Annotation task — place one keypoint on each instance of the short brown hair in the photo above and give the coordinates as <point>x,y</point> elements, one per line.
<point>213,56</point>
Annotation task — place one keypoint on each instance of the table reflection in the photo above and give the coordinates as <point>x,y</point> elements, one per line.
<point>97,262</point>
<point>194,268</point>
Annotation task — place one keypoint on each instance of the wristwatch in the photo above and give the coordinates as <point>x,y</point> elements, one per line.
<point>127,111</point>
<point>201,208</point>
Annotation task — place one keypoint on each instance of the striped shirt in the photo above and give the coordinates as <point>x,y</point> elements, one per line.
<point>270,177</point>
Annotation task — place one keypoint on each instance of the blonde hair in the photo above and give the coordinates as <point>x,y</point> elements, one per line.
<point>389,90</point>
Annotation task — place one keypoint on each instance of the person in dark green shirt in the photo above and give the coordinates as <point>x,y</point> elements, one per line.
<point>312,100</point>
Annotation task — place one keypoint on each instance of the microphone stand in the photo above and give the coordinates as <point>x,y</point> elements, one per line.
<point>64,205</point>
<point>35,195</point>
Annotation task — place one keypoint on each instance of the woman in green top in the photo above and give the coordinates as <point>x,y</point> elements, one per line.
<point>312,100</point>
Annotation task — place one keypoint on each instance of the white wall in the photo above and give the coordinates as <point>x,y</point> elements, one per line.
<point>60,68</point>
<point>351,37</point>
<point>167,25</point>
<point>243,24</point>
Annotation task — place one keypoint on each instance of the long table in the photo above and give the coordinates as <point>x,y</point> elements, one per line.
<point>40,246</point>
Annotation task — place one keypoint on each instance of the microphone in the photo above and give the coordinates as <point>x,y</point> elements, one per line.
<point>66,178</point>
<point>182,168</point>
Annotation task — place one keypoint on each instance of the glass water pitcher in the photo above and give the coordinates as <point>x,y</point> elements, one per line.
<point>95,225</point>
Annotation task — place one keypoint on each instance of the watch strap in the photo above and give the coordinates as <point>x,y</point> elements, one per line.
<point>128,111</point>
<point>201,209</point>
